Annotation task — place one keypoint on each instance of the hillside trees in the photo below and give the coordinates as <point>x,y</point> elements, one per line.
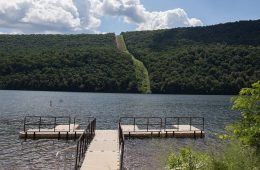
<point>65,62</point>
<point>218,59</point>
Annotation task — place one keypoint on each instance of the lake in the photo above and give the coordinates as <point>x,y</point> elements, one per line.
<point>107,108</point>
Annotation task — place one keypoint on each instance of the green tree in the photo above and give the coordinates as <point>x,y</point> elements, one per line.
<point>238,153</point>
<point>248,103</point>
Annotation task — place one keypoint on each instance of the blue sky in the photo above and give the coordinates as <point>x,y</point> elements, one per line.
<point>100,16</point>
<point>210,12</point>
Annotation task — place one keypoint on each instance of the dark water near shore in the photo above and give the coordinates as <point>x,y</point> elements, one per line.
<point>107,108</point>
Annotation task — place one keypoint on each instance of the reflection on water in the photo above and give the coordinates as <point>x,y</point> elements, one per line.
<point>107,108</point>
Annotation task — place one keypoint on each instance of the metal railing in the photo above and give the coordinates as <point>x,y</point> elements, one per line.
<point>145,123</point>
<point>192,122</point>
<point>83,143</point>
<point>172,123</point>
<point>72,157</point>
<point>41,122</point>
<point>83,124</point>
<point>121,144</point>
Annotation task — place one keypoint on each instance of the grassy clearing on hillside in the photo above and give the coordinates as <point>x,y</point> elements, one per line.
<point>142,76</point>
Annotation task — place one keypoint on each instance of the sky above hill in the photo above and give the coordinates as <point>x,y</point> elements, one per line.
<point>101,16</point>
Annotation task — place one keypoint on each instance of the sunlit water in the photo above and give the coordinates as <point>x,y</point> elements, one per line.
<point>107,108</point>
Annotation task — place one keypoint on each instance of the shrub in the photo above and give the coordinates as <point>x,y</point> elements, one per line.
<point>187,159</point>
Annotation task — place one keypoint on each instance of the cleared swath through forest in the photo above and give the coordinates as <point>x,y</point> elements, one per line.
<point>142,75</point>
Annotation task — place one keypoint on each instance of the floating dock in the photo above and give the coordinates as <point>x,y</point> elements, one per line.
<point>183,131</point>
<point>104,149</point>
<point>178,127</point>
<point>59,132</point>
<point>49,127</point>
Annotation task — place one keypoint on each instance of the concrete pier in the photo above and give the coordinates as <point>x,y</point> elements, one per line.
<point>103,152</point>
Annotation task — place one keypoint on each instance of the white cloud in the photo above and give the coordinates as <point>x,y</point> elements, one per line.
<point>134,12</point>
<point>131,10</point>
<point>168,19</point>
<point>39,16</point>
<point>84,16</point>
<point>52,14</point>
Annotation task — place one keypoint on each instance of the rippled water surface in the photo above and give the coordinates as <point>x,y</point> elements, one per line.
<point>107,108</point>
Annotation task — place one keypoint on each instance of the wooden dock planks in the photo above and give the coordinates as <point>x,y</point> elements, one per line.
<point>103,152</point>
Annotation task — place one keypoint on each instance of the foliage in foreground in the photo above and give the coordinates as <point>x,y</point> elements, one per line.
<point>241,152</point>
<point>248,103</point>
<point>187,159</point>
<point>233,156</point>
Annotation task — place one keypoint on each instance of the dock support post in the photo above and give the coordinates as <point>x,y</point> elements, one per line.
<point>33,135</point>
<point>76,163</point>
<point>80,150</point>
<point>59,136</point>
<point>190,123</point>
<point>147,124</point>
<point>54,123</point>
<point>134,124</point>
<point>166,135</point>
<point>69,124</point>
<point>40,124</point>
<point>24,123</point>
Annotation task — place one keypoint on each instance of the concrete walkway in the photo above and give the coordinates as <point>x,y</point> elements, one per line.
<point>103,152</point>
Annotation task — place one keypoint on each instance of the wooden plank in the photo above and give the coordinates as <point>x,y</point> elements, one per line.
<point>103,152</point>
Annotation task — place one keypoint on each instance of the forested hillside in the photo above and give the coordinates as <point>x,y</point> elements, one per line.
<point>217,59</point>
<point>65,62</point>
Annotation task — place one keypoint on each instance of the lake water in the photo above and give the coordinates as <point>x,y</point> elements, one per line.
<point>107,108</point>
